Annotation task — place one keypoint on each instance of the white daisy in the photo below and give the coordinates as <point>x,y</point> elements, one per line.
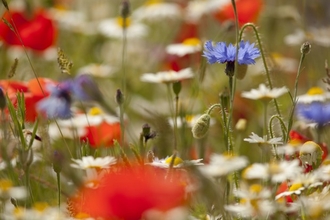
<point>154,10</point>
<point>188,46</point>
<point>318,36</point>
<point>7,190</point>
<point>167,76</point>
<point>221,165</point>
<point>195,10</point>
<point>314,94</point>
<point>292,147</point>
<point>188,120</point>
<point>90,162</point>
<point>98,70</point>
<point>256,139</point>
<point>178,162</point>
<point>264,93</point>
<point>113,28</point>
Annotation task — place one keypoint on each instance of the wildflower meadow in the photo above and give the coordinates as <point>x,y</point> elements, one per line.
<point>164,110</point>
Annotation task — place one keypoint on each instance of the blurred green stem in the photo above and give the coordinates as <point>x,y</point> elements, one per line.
<point>263,58</point>
<point>175,130</point>
<point>58,177</point>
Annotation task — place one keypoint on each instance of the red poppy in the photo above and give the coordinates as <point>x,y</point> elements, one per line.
<point>31,91</point>
<point>37,32</point>
<point>129,192</point>
<point>247,10</point>
<point>102,135</point>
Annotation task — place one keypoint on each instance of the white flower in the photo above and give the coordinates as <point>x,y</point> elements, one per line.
<point>178,162</point>
<point>255,139</point>
<point>188,120</point>
<point>221,165</point>
<point>98,70</point>
<point>314,94</point>
<point>90,162</point>
<point>167,76</point>
<point>292,147</point>
<point>195,10</point>
<point>276,171</point>
<point>188,46</point>
<point>157,11</point>
<point>319,36</point>
<point>7,190</point>
<point>114,28</point>
<point>264,93</point>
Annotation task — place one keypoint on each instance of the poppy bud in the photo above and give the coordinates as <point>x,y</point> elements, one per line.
<point>200,129</point>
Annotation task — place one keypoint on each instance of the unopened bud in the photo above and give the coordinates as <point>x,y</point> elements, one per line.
<point>177,87</point>
<point>120,98</point>
<point>224,98</point>
<point>241,124</point>
<point>125,9</point>
<point>2,99</point>
<point>201,127</point>
<point>305,48</point>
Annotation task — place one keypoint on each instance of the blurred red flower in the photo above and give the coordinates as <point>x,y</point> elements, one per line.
<point>128,192</point>
<point>247,10</point>
<point>102,134</point>
<point>31,91</point>
<point>37,32</point>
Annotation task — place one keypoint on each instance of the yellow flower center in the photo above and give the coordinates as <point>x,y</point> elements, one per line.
<point>295,186</point>
<point>315,91</point>
<point>326,162</point>
<point>123,22</point>
<point>177,160</point>
<point>153,2</point>
<point>192,42</point>
<point>40,206</point>
<point>5,184</point>
<point>95,111</point>
<point>19,212</point>
<point>255,188</point>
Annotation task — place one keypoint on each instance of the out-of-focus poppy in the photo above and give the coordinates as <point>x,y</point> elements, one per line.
<point>37,32</point>
<point>247,10</point>
<point>103,134</point>
<point>128,192</point>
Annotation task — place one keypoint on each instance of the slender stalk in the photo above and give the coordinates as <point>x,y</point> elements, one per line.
<point>121,120</point>
<point>27,183</point>
<point>265,133</point>
<point>175,130</point>
<point>123,56</point>
<point>58,177</point>
<point>263,59</point>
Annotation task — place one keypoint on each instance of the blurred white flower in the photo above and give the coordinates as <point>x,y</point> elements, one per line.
<point>178,213</point>
<point>314,94</point>
<point>178,162</point>
<point>167,76</point>
<point>319,36</point>
<point>97,70</point>
<point>7,190</point>
<point>195,10</point>
<point>90,162</point>
<point>264,93</point>
<point>113,28</point>
<point>157,11</point>
<point>221,165</point>
<point>188,46</point>
<point>255,139</point>
<point>188,120</point>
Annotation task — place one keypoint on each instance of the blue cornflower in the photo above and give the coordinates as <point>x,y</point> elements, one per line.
<point>84,88</point>
<point>58,104</point>
<point>315,112</point>
<point>314,107</point>
<point>221,53</point>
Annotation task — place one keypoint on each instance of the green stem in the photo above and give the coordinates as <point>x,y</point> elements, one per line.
<point>175,130</point>
<point>122,126</point>
<point>27,183</point>
<point>58,176</point>
<point>265,133</point>
<point>123,55</point>
<point>263,59</point>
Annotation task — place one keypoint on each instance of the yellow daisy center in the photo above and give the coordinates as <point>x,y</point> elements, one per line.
<point>295,142</point>
<point>326,162</point>
<point>95,111</point>
<point>153,2</point>
<point>192,41</point>
<point>40,206</point>
<point>82,215</point>
<point>295,186</point>
<point>255,188</point>
<point>123,22</point>
<point>177,160</point>
<point>19,212</point>
<point>315,91</point>
<point>5,184</point>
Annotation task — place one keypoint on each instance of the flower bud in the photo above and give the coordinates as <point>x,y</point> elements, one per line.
<point>201,127</point>
<point>305,48</point>
<point>177,87</point>
<point>2,99</point>
<point>120,98</point>
<point>125,9</point>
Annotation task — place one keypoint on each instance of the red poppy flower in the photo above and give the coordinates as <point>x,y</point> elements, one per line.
<point>129,192</point>
<point>247,10</point>
<point>37,32</point>
<point>102,134</point>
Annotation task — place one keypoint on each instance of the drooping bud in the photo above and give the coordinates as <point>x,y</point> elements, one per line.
<point>224,98</point>
<point>201,127</point>
<point>305,48</point>
<point>125,9</point>
<point>177,88</point>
